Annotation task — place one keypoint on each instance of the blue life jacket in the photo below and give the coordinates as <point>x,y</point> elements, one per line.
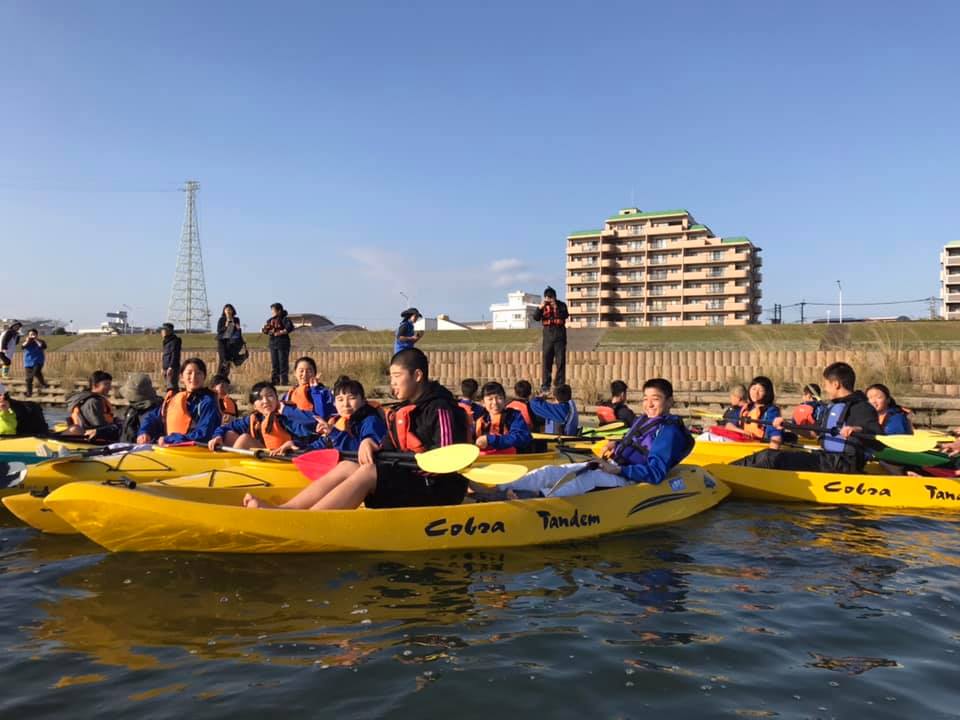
<point>836,412</point>
<point>636,444</point>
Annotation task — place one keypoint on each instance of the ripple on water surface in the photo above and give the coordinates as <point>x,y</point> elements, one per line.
<point>751,610</point>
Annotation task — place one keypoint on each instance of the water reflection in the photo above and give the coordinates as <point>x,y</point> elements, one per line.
<point>141,611</point>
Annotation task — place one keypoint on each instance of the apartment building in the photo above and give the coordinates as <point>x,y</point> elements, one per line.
<point>661,268</point>
<point>950,281</point>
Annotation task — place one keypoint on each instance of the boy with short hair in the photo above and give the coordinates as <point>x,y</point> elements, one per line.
<point>468,401</point>
<point>560,417</point>
<point>90,413</point>
<point>503,429</point>
<point>265,427</point>
<point>615,409</point>
<point>171,344</point>
<point>426,418</point>
<point>849,412</point>
<point>34,357</point>
<point>656,442</point>
<point>522,390</point>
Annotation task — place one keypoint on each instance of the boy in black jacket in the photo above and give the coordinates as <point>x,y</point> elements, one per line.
<point>849,412</point>
<point>428,417</point>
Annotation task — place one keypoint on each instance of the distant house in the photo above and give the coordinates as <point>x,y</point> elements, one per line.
<point>309,321</point>
<point>516,313</point>
<point>440,322</point>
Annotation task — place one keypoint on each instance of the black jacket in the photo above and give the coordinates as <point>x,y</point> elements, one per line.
<point>132,417</point>
<point>171,352</point>
<point>437,421</point>
<point>237,335</point>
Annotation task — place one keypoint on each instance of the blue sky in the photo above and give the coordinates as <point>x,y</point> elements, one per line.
<point>351,152</point>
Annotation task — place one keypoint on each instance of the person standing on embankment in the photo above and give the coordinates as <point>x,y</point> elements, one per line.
<point>171,344</point>
<point>8,345</point>
<point>229,339</point>
<point>406,336</point>
<point>553,314</point>
<point>278,327</point>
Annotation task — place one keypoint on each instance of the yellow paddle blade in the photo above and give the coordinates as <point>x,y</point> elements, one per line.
<point>939,435</point>
<point>447,459</point>
<point>609,426</point>
<point>495,473</point>
<point>909,443</point>
<point>707,414</point>
<point>60,427</point>
<point>599,447</point>
<point>554,438</point>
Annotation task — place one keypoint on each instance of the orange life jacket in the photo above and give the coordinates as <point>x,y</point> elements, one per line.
<point>606,414</point>
<point>176,414</point>
<point>803,415</point>
<point>400,430</point>
<point>467,408</point>
<point>76,417</point>
<point>524,409</point>
<point>491,425</point>
<point>269,430</point>
<point>228,406</point>
<point>300,396</point>
<point>754,429</point>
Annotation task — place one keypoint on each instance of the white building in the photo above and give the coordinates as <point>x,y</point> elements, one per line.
<point>516,313</point>
<point>440,322</point>
<point>950,281</point>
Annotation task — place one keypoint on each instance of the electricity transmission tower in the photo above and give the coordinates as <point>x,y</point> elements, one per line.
<point>188,309</point>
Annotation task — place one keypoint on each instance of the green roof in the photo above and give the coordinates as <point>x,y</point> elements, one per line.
<point>585,233</point>
<point>699,227</point>
<point>738,240</point>
<point>953,243</point>
<point>658,213</point>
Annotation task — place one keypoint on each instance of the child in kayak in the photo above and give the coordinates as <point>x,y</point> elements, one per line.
<point>220,384</point>
<point>190,415</point>
<point>848,413</point>
<point>810,409</point>
<point>265,427</point>
<point>739,400</point>
<point>468,401</point>
<point>89,412</point>
<point>615,409</point>
<point>560,417</point>
<point>502,429</point>
<point>309,400</point>
<point>892,418</point>
<point>522,390</point>
<point>8,418</point>
<point>427,417</point>
<point>656,442</point>
<point>355,420</point>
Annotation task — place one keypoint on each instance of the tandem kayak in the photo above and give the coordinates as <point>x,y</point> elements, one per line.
<point>873,489</point>
<point>121,519</point>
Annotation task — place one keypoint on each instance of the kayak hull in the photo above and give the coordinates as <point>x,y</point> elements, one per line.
<point>24,449</point>
<point>120,519</point>
<point>873,490</point>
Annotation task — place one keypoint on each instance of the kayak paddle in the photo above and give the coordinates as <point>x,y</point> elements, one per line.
<point>448,459</point>
<point>903,443</point>
<point>495,473</point>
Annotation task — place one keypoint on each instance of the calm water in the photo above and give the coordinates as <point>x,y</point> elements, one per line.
<point>747,611</point>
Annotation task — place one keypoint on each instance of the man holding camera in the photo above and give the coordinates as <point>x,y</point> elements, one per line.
<point>553,314</point>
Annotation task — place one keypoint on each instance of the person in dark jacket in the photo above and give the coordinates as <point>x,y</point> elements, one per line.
<point>616,409</point>
<point>171,356</point>
<point>847,414</point>
<point>8,344</point>
<point>553,314</point>
<point>142,398</point>
<point>229,339</point>
<point>426,418</point>
<point>278,327</point>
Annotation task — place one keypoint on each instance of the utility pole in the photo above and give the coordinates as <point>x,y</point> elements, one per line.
<point>188,307</point>
<point>840,288</point>
<point>803,305</point>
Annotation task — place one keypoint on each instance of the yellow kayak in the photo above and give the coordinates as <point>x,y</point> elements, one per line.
<point>872,489</point>
<point>28,446</point>
<point>121,519</point>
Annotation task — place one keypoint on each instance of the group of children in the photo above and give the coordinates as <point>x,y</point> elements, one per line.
<point>427,416</point>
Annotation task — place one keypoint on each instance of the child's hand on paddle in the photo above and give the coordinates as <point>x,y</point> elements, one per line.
<point>847,430</point>
<point>778,423</point>
<point>283,449</point>
<point>367,451</point>
<point>215,443</point>
<point>608,449</point>
<point>322,427</point>
<point>482,442</point>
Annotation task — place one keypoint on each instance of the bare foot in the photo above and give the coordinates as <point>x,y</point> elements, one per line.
<point>252,503</point>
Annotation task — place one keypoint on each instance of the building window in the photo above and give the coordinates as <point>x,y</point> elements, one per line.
<point>658,320</point>
<point>715,320</point>
<point>658,244</point>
